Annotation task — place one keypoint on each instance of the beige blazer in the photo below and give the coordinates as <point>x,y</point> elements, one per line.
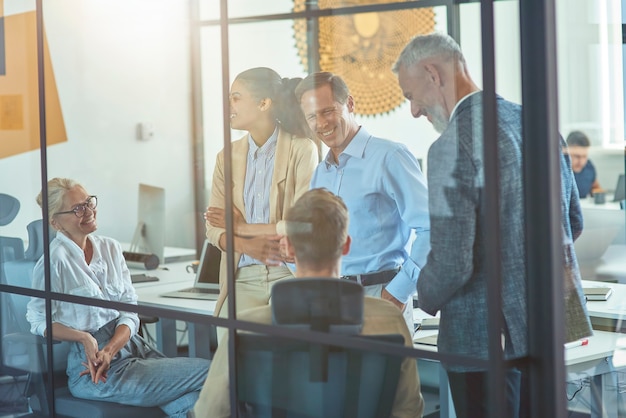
<point>296,158</point>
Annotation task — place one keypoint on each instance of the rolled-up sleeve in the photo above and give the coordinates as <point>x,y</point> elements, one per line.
<point>406,184</point>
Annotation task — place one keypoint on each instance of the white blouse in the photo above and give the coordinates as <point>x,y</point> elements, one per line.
<point>107,277</point>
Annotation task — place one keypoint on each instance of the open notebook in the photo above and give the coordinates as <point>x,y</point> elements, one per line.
<point>206,285</point>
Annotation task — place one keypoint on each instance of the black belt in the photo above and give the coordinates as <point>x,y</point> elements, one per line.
<point>370,279</point>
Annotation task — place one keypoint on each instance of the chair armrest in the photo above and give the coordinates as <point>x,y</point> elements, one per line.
<point>26,338</point>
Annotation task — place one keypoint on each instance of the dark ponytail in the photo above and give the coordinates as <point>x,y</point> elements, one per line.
<point>264,83</point>
<point>288,110</point>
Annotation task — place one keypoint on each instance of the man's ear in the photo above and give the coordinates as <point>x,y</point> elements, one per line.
<point>433,74</point>
<point>350,103</point>
<point>346,246</point>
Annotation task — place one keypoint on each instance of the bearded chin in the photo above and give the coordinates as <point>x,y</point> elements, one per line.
<point>440,125</point>
<point>439,119</point>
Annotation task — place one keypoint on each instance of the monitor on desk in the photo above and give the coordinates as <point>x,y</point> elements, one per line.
<point>149,236</point>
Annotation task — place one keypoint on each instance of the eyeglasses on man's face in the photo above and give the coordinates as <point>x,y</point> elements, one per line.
<point>79,210</point>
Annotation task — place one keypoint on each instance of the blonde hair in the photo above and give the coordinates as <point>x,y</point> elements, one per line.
<point>317,227</point>
<point>57,187</point>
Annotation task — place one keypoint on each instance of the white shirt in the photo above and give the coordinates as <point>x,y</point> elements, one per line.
<point>107,277</point>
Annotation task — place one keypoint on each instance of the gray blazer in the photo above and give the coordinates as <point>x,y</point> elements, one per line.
<point>453,280</point>
<point>577,324</point>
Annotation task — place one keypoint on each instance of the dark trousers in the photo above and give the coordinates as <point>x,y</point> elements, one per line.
<point>470,394</point>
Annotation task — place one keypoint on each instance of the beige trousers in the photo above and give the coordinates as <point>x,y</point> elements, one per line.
<point>253,285</point>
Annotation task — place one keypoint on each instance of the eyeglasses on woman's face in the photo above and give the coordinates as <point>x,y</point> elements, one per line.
<point>79,210</point>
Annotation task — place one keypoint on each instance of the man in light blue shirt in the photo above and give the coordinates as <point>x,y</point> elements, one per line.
<point>383,188</point>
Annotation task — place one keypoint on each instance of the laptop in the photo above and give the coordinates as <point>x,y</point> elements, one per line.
<point>206,285</point>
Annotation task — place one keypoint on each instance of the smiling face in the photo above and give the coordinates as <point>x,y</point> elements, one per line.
<point>420,88</point>
<point>332,122</point>
<point>245,110</point>
<point>71,225</point>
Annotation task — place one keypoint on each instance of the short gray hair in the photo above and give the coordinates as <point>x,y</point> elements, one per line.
<point>426,46</point>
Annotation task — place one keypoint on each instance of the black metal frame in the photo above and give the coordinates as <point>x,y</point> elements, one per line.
<point>543,208</point>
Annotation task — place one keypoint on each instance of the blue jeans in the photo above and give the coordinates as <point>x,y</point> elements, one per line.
<point>140,375</point>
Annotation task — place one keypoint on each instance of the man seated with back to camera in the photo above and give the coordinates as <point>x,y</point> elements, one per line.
<point>317,252</point>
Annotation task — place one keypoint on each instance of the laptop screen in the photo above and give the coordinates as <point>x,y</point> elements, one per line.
<point>209,268</point>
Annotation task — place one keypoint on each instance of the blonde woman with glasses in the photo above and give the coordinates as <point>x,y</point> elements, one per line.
<point>107,361</point>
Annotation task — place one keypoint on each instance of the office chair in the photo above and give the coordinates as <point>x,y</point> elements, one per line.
<point>289,378</point>
<point>11,248</point>
<point>9,207</point>
<point>26,352</point>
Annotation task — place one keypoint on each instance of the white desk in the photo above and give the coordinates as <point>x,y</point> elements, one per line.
<point>601,249</point>
<point>599,360</point>
<point>172,254</point>
<point>612,265</point>
<point>604,355</point>
<point>589,203</point>
<point>148,294</point>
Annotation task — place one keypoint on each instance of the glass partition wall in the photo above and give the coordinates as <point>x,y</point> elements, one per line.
<point>146,101</point>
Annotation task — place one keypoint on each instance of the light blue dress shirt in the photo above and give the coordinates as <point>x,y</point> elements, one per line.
<point>385,192</point>
<point>258,182</point>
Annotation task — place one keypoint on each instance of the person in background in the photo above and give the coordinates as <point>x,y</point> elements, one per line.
<point>317,252</point>
<point>271,168</point>
<point>584,171</point>
<point>383,187</point>
<point>107,361</point>
<point>433,76</point>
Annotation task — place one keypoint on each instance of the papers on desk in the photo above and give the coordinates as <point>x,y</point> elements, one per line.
<point>429,323</point>
<point>429,340</point>
<point>600,293</point>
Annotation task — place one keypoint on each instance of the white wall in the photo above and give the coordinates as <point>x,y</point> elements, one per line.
<point>117,63</point>
<point>591,95</point>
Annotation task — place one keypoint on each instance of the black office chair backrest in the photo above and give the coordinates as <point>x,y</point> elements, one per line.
<point>287,378</point>
<point>11,248</point>
<point>321,304</point>
<point>20,273</point>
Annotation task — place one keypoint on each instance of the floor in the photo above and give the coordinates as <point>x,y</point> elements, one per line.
<point>12,401</point>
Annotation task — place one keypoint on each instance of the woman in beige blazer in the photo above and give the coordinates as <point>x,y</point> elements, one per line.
<point>271,167</point>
